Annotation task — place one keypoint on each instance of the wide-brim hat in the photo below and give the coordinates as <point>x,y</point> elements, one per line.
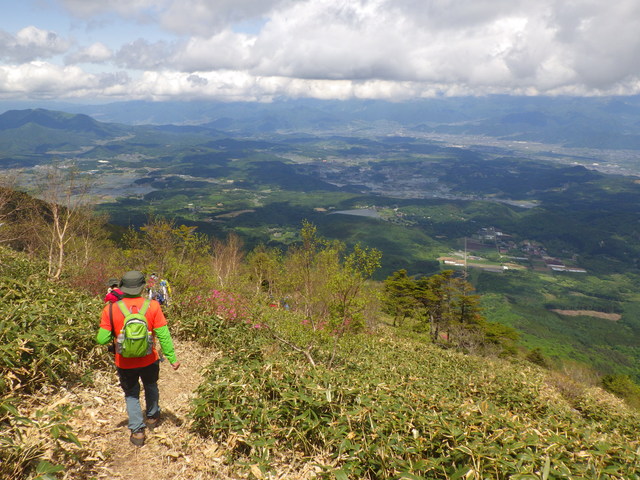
<point>132,283</point>
<point>113,282</point>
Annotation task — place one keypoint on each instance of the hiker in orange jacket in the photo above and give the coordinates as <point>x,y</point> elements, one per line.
<point>146,368</point>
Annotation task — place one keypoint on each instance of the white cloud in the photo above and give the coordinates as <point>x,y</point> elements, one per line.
<point>227,84</point>
<point>96,53</point>
<point>206,17</point>
<point>333,40</point>
<point>601,40</point>
<point>186,17</point>
<point>143,55</point>
<point>44,80</point>
<point>353,48</point>
<point>225,50</point>
<point>31,43</point>
<point>460,15</point>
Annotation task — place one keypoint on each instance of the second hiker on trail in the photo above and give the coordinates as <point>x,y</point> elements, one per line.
<point>113,293</point>
<point>134,322</point>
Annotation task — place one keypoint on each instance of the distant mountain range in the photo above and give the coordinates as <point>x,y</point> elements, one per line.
<point>598,122</point>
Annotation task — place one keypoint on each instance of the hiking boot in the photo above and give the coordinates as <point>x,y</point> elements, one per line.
<point>153,422</point>
<point>137,438</point>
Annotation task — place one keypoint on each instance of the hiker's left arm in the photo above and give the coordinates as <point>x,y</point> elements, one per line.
<point>166,343</point>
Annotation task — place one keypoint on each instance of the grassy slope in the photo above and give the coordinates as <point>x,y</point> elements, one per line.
<point>398,407</point>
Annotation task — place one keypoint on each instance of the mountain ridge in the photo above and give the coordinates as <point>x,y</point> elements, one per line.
<point>611,122</point>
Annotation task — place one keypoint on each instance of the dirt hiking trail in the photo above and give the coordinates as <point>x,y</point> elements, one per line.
<point>171,452</point>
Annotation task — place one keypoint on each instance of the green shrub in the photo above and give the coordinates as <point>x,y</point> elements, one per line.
<point>623,387</point>
<point>536,357</point>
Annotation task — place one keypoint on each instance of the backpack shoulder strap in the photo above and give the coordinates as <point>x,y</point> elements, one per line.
<point>123,308</point>
<point>145,306</point>
<point>113,330</point>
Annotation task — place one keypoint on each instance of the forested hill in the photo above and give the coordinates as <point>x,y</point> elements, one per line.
<point>285,398</point>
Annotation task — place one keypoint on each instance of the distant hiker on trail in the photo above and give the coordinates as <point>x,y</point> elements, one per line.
<point>159,289</point>
<point>138,322</point>
<point>152,284</point>
<point>152,287</point>
<point>164,293</point>
<point>113,293</point>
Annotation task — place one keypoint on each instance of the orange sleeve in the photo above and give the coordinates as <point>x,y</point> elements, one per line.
<point>104,320</point>
<point>156,316</point>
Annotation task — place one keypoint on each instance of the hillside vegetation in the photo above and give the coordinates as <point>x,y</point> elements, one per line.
<point>310,371</point>
<point>46,343</point>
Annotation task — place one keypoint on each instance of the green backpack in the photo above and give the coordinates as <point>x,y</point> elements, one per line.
<point>135,339</point>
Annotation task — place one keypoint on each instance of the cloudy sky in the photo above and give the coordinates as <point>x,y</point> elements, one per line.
<point>108,50</point>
